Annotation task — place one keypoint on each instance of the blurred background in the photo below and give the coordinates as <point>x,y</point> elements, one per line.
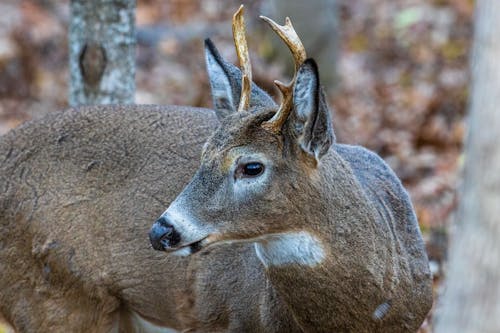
<point>396,73</point>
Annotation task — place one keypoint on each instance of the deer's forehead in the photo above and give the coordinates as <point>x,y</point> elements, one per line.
<point>244,139</point>
<point>240,126</point>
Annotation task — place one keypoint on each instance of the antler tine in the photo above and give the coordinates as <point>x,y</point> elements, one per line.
<point>289,36</point>
<point>240,43</point>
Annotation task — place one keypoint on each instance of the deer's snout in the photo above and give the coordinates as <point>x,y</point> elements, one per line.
<point>163,235</point>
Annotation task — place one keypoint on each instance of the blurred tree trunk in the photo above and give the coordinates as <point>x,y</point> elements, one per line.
<point>102,52</point>
<point>472,299</point>
<point>316,23</point>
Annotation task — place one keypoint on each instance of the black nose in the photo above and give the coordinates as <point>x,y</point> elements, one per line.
<point>163,235</point>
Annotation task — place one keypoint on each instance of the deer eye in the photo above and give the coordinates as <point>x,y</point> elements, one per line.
<point>252,169</point>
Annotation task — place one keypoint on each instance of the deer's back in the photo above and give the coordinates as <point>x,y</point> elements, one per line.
<point>109,155</point>
<point>78,192</point>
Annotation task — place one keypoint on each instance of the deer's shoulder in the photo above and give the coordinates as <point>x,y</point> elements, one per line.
<point>379,182</point>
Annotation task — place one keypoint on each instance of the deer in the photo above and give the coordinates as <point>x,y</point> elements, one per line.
<point>331,223</point>
<point>79,189</point>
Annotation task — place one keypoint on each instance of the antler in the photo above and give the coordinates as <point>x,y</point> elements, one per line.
<point>240,43</point>
<point>292,40</point>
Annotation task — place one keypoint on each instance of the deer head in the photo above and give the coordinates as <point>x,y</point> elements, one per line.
<point>259,170</point>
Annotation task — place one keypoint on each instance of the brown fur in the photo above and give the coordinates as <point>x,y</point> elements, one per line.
<point>350,200</point>
<point>78,192</point>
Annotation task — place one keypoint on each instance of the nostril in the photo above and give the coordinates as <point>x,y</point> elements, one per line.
<point>169,231</point>
<point>163,235</point>
<point>171,238</point>
<point>157,234</point>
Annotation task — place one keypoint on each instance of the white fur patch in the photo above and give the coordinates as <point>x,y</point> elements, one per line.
<point>141,325</point>
<point>381,310</point>
<point>183,252</point>
<point>300,248</point>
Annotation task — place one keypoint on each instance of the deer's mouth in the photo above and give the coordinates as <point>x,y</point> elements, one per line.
<point>189,248</point>
<point>198,245</point>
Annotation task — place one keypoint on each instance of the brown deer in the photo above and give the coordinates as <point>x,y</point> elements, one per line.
<point>78,190</point>
<point>332,225</point>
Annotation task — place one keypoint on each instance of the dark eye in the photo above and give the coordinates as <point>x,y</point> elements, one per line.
<point>252,169</point>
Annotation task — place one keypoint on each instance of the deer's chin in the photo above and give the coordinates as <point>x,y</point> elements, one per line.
<point>189,248</point>
<point>205,242</point>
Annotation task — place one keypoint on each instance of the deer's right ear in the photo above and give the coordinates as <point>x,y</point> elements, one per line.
<point>225,84</point>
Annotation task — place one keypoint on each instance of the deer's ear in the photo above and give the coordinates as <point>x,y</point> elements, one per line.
<point>225,84</point>
<point>310,122</point>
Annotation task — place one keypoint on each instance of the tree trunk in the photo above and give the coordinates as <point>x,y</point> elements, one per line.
<point>102,52</point>
<point>472,299</point>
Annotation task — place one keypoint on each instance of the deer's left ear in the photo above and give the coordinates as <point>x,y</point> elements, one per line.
<point>310,121</point>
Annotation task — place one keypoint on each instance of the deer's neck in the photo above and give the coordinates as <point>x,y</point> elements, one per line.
<point>316,286</point>
<point>299,248</point>
<point>329,274</point>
